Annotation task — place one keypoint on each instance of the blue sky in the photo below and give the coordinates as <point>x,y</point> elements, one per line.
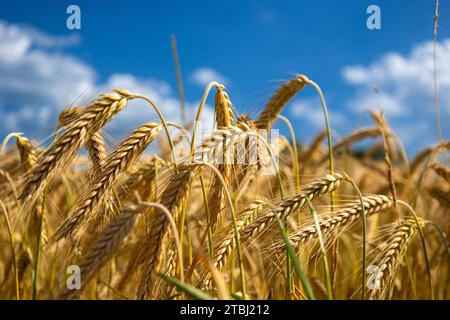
<point>251,46</point>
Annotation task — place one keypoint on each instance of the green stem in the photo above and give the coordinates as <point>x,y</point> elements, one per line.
<point>322,248</point>
<point>327,125</point>
<point>303,279</point>
<point>330,159</point>
<point>294,146</point>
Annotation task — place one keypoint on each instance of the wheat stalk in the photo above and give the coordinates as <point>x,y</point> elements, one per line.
<point>227,243</point>
<point>172,198</point>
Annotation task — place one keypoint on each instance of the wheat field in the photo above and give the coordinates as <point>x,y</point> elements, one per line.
<point>233,215</point>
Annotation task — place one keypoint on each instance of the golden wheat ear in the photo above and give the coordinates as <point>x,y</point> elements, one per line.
<point>224,120</point>
<point>104,248</point>
<point>28,152</point>
<point>283,209</point>
<point>117,163</point>
<point>285,93</point>
<point>63,149</point>
<point>337,221</point>
<point>390,257</point>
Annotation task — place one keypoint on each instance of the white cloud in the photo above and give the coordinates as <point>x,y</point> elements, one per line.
<point>310,109</point>
<point>406,94</point>
<point>202,76</point>
<point>37,82</point>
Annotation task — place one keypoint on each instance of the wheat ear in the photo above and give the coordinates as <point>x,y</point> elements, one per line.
<point>356,136</point>
<point>314,146</point>
<point>95,145</point>
<point>118,162</point>
<point>339,220</point>
<point>283,209</point>
<point>425,153</point>
<point>353,138</point>
<point>285,93</point>
<point>77,133</point>
<point>28,152</point>
<point>389,258</point>
<point>104,248</point>
<point>143,176</point>
<point>387,143</point>
<point>317,188</point>
<point>224,119</point>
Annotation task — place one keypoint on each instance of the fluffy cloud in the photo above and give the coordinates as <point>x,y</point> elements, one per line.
<point>38,79</point>
<point>311,110</point>
<point>202,76</point>
<point>405,90</point>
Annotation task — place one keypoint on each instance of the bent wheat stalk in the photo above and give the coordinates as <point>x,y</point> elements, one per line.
<point>227,244</point>
<point>172,198</point>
